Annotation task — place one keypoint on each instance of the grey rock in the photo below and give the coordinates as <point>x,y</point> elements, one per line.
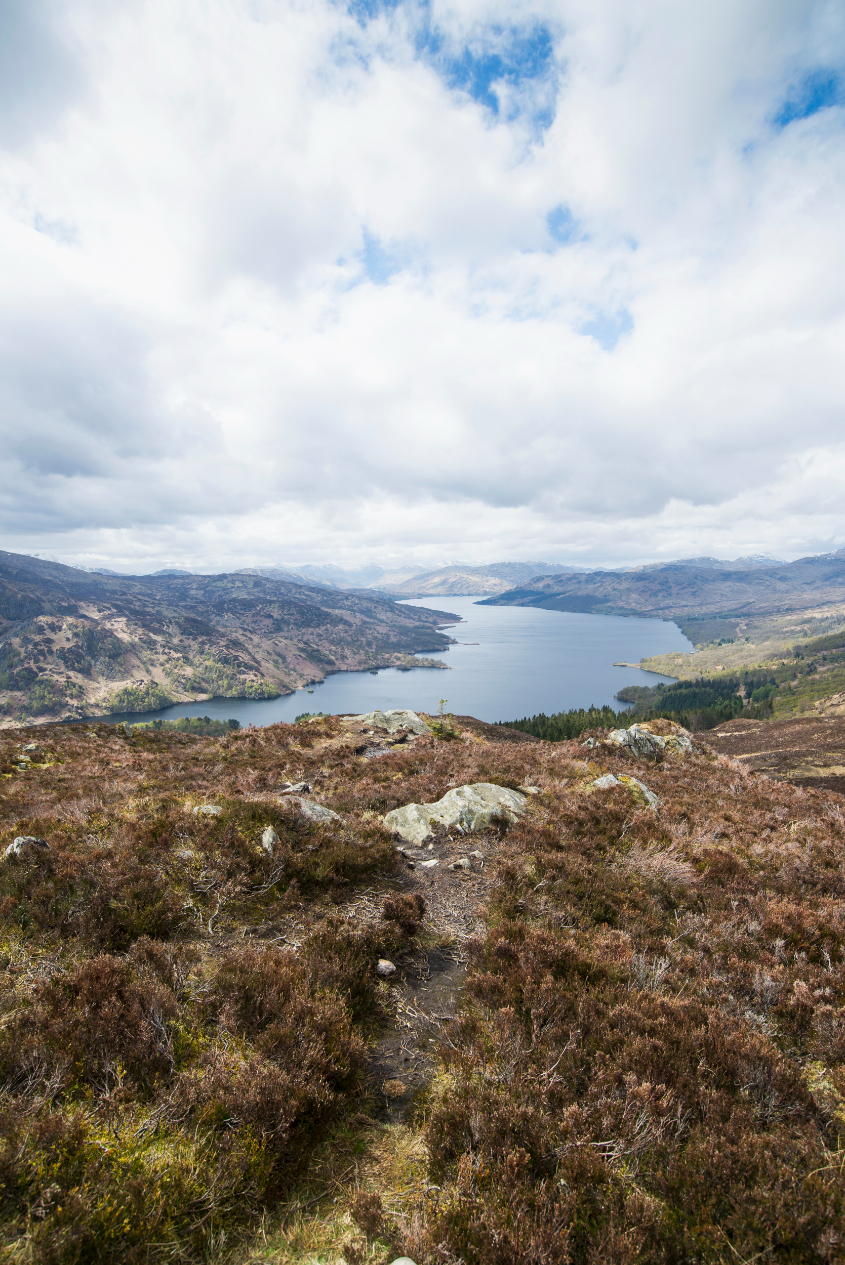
<point>185,854</point>
<point>530,790</point>
<point>314,812</point>
<point>385,967</point>
<point>269,839</point>
<point>429,865</point>
<point>635,785</point>
<point>392,721</point>
<point>31,746</point>
<point>22,842</point>
<point>295,788</point>
<point>466,807</point>
<point>207,810</point>
<point>642,741</point>
<point>640,792</point>
<point>462,863</point>
<point>402,1260</point>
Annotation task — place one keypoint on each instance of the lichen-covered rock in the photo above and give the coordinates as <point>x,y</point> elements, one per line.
<point>314,812</point>
<point>650,738</point>
<point>466,807</point>
<point>641,793</point>
<point>392,721</point>
<point>269,839</point>
<point>207,810</point>
<point>25,842</point>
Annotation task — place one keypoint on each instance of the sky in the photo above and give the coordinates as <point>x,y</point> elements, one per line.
<point>396,281</point>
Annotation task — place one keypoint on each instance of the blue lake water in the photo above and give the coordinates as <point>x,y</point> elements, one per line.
<point>511,661</point>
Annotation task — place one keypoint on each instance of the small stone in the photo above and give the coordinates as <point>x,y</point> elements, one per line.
<point>604,783</point>
<point>32,746</point>
<point>185,854</point>
<point>402,1260</point>
<point>269,839</point>
<point>296,788</point>
<point>427,865</point>
<point>462,863</point>
<point>23,842</point>
<point>208,810</point>
<point>385,967</point>
<point>530,790</point>
<point>478,856</point>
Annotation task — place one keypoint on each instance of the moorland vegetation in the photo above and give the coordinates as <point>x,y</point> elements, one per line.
<point>645,1063</point>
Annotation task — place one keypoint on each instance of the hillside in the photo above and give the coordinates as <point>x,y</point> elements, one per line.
<point>238,1028</point>
<point>688,589</point>
<point>80,643</point>
<point>469,581</point>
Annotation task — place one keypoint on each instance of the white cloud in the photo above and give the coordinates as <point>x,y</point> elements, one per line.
<point>277,285</point>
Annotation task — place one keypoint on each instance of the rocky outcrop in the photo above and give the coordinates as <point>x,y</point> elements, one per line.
<point>651,738</point>
<point>393,721</point>
<point>467,808</point>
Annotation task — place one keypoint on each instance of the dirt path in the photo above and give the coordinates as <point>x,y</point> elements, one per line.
<point>429,978</point>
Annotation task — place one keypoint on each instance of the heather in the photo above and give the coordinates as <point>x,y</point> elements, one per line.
<point>644,1059</point>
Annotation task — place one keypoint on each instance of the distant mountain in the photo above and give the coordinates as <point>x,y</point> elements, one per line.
<point>470,581</point>
<point>290,577</point>
<point>689,587</point>
<point>737,564</point>
<point>74,642</point>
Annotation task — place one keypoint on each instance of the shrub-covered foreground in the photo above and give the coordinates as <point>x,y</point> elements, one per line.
<point>167,1061</point>
<point>648,1064</point>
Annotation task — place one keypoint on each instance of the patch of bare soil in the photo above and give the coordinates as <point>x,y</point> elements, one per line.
<point>806,750</point>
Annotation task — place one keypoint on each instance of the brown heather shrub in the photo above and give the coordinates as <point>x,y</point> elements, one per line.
<point>406,911</point>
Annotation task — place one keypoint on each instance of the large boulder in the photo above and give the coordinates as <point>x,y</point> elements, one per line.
<point>466,807</point>
<point>393,721</point>
<point>25,843</point>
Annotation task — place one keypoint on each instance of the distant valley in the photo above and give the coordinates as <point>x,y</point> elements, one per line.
<point>80,643</point>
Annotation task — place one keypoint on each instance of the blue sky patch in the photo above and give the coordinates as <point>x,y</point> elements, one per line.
<point>516,56</point>
<point>562,225</point>
<point>365,10</point>
<point>520,56</point>
<point>381,262</point>
<point>608,327</point>
<point>815,92</point>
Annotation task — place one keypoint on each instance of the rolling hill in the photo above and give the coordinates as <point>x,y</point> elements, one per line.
<point>78,643</point>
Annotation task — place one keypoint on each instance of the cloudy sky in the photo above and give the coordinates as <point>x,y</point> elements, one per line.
<point>310,281</point>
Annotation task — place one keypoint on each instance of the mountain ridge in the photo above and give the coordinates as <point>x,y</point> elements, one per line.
<point>74,642</point>
<point>684,588</point>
